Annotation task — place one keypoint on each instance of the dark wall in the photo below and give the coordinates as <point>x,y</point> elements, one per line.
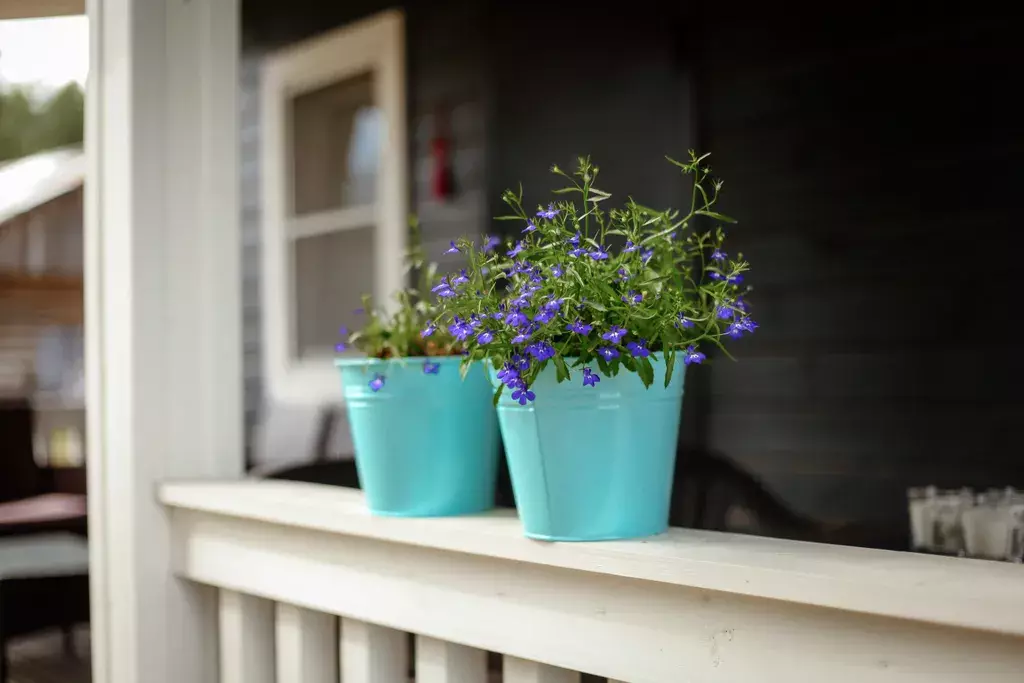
<point>872,164</point>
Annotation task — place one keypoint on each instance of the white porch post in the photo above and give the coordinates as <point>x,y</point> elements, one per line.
<point>163,317</point>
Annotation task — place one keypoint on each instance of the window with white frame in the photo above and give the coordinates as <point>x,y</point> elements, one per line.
<point>334,196</point>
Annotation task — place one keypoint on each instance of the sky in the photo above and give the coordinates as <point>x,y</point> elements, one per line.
<point>46,53</point>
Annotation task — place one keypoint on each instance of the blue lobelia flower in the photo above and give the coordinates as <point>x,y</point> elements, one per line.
<point>507,374</point>
<point>548,213</point>
<point>724,312</point>
<point>739,326</point>
<point>490,243</point>
<point>443,289</point>
<point>475,320</point>
<point>734,279</point>
<point>614,335</point>
<point>516,318</point>
<point>557,271</point>
<point>683,322</point>
<point>522,394</point>
<point>428,330</point>
<point>579,327</point>
<point>537,275</point>
<point>377,383</point>
<point>541,351</point>
<point>521,338</point>
<point>590,378</point>
<point>608,352</point>
<point>639,349</point>
<point>485,337</point>
<point>634,297</point>
<point>646,255</point>
<point>544,316</point>
<point>715,275</point>
<point>431,368</point>
<point>623,274</point>
<point>630,247</point>
<point>553,304</point>
<point>452,249</point>
<point>577,252</point>
<point>530,227</point>
<point>692,355</point>
<point>521,267</point>
<point>575,239</point>
<point>599,254</point>
<point>516,250</point>
<point>520,362</point>
<point>341,346</point>
<point>718,255</point>
<point>460,329</point>
<point>460,279</point>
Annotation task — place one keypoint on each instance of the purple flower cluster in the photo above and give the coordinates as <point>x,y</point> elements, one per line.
<point>511,376</point>
<point>549,213</point>
<point>377,383</point>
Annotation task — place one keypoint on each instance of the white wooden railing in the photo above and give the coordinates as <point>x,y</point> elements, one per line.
<point>289,559</point>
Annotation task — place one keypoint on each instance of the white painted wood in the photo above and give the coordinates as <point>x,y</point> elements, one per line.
<point>377,45</point>
<point>324,222</point>
<point>636,611</point>
<point>952,591</point>
<point>439,661</point>
<point>306,646</point>
<point>161,278</point>
<point>516,670</point>
<point>246,638</point>
<point>372,653</point>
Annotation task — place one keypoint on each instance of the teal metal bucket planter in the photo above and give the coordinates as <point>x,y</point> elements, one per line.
<point>593,463</point>
<point>426,443</point>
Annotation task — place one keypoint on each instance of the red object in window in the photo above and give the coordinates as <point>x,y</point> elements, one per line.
<point>442,179</point>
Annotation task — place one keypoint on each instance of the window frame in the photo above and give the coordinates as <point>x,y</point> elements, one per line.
<point>375,45</point>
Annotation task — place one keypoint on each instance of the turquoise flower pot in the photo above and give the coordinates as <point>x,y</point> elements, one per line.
<point>426,444</point>
<point>593,463</point>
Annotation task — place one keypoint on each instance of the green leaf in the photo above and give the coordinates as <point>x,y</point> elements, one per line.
<point>497,394</point>
<point>561,371</point>
<point>603,365</point>
<point>566,190</point>
<point>670,363</point>
<point>645,370</point>
<point>629,363</point>
<point>596,306</point>
<point>714,214</point>
<point>464,368</point>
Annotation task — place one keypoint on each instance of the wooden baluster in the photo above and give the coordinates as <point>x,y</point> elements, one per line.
<point>306,646</point>
<point>246,638</point>
<point>518,670</point>
<point>373,654</point>
<point>438,661</point>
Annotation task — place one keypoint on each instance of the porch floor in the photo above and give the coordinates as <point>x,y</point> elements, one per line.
<point>41,659</point>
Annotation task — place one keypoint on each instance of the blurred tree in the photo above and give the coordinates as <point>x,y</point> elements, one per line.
<point>26,128</point>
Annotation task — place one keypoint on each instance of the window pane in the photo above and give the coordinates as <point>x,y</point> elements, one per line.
<point>332,272</point>
<point>336,135</point>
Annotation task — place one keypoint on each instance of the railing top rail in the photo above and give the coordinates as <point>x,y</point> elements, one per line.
<point>956,592</point>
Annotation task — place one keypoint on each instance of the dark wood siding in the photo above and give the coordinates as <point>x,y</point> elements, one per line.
<point>872,165</point>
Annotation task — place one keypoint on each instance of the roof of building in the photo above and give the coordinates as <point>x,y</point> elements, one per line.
<point>34,180</point>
